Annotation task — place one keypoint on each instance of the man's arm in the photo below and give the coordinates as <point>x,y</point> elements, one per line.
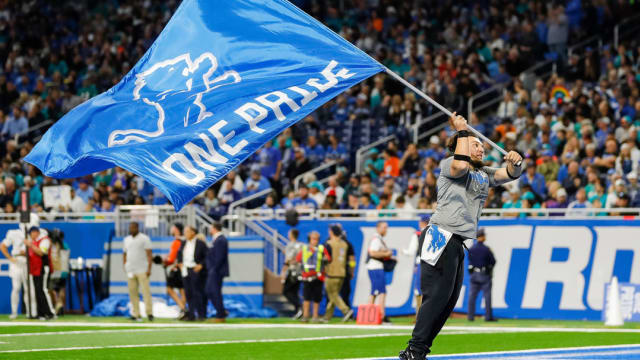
<point>4,250</point>
<point>150,261</point>
<point>459,166</point>
<point>506,174</point>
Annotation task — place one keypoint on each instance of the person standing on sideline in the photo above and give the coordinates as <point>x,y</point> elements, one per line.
<point>192,261</point>
<point>60,270</point>
<point>345,292</point>
<point>463,186</point>
<point>481,263</point>
<point>336,273</point>
<point>313,258</point>
<point>17,264</point>
<point>378,252</point>
<point>413,250</point>
<point>291,273</point>
<point>217,270</point>
<point>137,261</point>
<point>39,248</point>
<point>175,288</point>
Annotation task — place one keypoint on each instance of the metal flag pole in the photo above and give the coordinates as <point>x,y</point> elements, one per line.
<point>446,111</point>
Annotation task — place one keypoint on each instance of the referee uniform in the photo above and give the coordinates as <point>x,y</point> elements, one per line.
<point>462,191</point>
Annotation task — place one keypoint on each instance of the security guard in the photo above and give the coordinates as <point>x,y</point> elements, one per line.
<point>481,263</point>
<point>313,258</point>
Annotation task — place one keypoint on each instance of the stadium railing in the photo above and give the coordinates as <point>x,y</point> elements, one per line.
<point>398,214</point>
<point>625,28</point>
<point>363,153</point>
<point>298,179</point>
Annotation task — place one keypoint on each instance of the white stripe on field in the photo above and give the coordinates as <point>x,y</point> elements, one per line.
<point>515,352</point>
<point>205,343</point>
<point>315,326</point>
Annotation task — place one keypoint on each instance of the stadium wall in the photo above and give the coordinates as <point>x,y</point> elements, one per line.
<point>546,269</point>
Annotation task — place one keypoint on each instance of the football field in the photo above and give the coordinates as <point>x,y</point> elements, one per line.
<point>80,337</point>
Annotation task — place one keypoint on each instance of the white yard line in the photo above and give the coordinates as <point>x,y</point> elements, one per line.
<point>562,351</point>
<point>205,343</point>
<point>314,326</point>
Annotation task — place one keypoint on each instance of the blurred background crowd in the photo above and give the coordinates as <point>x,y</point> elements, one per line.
<point>577,128</point>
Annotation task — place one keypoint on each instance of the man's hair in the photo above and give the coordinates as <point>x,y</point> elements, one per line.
<point>179,226</point>
<point>217,225</point>
<point>295,233</point>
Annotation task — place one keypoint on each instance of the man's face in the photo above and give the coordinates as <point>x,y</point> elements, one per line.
<point>133,228</point>
<point>476,149</point>
<point>314,239</point>
<point>189,233</point>
<point>382,228</point>
<point>34,235</point>
<point>304,192</point>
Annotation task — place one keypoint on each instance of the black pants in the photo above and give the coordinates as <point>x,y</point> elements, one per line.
<point>291,290</point>
<point>440,287</point>
<point>345,292</point>
<point>480,282</point>
<point>194,291</point>
<point>214,293</point>
<point>43,302</point>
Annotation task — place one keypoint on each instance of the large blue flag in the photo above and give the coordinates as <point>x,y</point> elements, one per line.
<point>223,78</point>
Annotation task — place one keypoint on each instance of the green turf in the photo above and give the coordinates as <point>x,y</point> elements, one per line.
<point>38,329</point>
<point>344,348</point>
<point>386,346</point>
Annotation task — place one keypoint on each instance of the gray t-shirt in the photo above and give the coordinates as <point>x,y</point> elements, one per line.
<point>460,199</point>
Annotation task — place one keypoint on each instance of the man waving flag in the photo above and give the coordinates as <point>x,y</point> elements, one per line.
<point>222,78</point>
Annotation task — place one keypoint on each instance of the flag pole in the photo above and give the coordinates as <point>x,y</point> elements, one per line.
<point>445,110</point>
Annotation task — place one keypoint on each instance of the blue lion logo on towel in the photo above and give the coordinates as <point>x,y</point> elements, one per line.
<point>438,240</point>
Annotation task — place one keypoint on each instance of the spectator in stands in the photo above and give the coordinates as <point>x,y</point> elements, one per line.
<point>391,163</point>
<point>558,33</point>
<point>270,203</point>
<point>256,183</point>
<point>136,257</point>
<point>573,180</point>
<point>303,202</point>
<point>228,196</point>
<point>299,165</point>
<point>313,258</point>
<point>335,186</point>
<point>270,160</point>
<point>84,191</point>
<point>15,124</point>
<point>192,262</point>
<point>316,192</point>
<point>335,151</point>
<point>534,179</point>
<point>580,202</point>
<point>410,162</point>
<point>35,195</point>
<point>374,164</point>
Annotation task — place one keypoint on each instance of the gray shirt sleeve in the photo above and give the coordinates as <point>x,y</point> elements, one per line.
<point>445,169</point>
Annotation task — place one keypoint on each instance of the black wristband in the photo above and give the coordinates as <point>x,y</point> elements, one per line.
<point>463,133</point>
<point>462,158</point>
<point>509,174</point>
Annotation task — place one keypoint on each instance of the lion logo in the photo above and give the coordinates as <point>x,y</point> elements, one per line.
<point>174,88</point>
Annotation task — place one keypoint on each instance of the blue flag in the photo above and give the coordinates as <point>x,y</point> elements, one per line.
<point>222,78</point>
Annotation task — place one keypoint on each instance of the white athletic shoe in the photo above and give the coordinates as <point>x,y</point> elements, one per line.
<point>13,316</point>
<point>348,316</point>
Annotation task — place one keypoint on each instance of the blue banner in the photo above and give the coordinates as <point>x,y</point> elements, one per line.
<point>222,78</point>
<point>545,269</point>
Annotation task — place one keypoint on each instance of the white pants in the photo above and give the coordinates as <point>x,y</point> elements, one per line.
<point>18,274</point>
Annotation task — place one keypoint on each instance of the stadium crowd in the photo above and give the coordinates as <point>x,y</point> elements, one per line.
<point>581,150</point>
